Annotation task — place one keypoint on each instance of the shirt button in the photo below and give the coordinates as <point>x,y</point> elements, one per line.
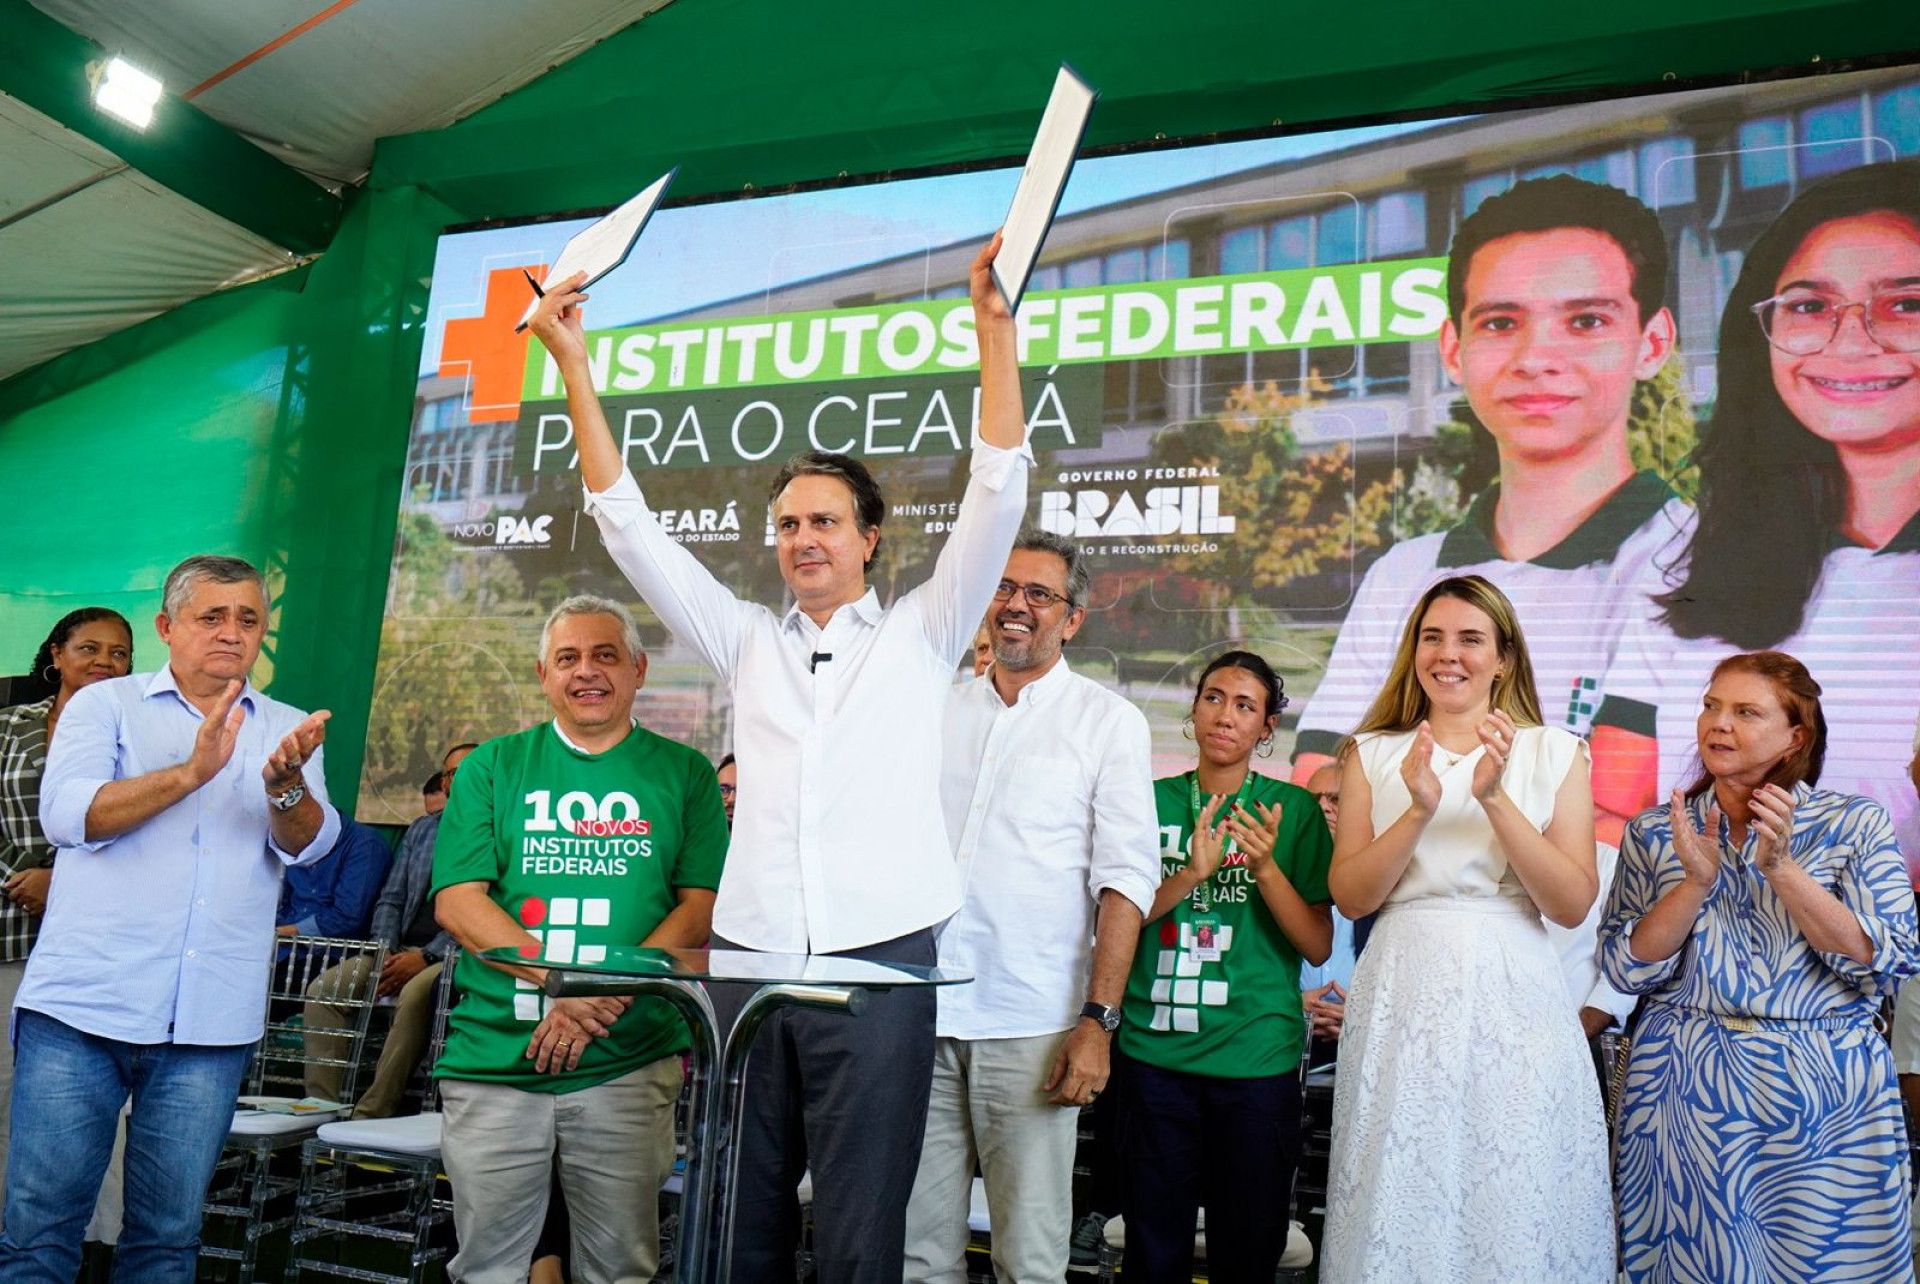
<point>201,902</point>
<point>193,954</point>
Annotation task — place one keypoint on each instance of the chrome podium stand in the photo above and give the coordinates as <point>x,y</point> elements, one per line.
<point>715,1110</point>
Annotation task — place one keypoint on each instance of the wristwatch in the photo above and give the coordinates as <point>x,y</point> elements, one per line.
<point>290,799</point>
<point>1109,1018</point>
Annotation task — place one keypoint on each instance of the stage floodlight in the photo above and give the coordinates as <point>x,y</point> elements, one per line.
<point>125,91</point>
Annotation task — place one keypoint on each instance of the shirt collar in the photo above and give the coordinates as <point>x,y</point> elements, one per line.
<point>1036,692</point>
<point>35,712</point>
<point>1905,540</point>
<point>163,681</point>
<point>588,753</point>
<point>1703,801</point>
<point>1595,540</point>
<point>866,606</point>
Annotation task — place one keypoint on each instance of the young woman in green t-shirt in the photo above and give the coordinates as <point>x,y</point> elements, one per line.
<point>1212,1035</point>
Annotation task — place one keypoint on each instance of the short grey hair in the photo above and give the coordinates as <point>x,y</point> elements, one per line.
<point>1079,575</point>
<point>591,604</point>
<point>178,589</point>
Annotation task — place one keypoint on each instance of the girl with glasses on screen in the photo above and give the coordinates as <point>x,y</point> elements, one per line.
<point>1808,538</point>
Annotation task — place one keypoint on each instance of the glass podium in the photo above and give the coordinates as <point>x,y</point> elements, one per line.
<point>717,1063</point>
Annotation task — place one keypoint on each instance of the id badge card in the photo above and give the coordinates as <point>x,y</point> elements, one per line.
<point>1206,938</point>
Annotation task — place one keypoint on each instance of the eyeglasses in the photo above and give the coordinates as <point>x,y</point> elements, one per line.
<point>727,791</point>
<point>1038,596</point>
<point>1802,322</point>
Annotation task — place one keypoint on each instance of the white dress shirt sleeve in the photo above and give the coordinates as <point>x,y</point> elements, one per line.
<point>700,611</point>
<point>82,758</point>
<point>954,599</point>
<point>1611,1001</point>
<point>1126,830</point>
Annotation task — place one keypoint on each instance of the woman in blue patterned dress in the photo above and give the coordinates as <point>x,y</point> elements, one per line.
<point>1760,1132</point>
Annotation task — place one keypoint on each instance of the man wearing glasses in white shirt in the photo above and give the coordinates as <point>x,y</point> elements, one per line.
<point>838,703</point>
<point>1048,793</point>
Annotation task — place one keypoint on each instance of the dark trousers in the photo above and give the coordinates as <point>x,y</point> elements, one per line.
<point>1228,1144</point>
<point>844,1097</point>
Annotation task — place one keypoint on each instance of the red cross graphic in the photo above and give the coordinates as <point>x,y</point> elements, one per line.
<point>486,349</point>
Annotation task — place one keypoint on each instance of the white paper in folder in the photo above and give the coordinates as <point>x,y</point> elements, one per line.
<point>1062,127</point>
<point>602,246</point>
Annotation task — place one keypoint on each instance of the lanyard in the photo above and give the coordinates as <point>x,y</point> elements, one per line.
<point>1201,896</point>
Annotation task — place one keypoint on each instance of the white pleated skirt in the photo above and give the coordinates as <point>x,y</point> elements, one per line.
<point>1468,1140</point>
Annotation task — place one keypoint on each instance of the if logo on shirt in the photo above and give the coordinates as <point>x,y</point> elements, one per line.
<point>553,923</point>
<point>1178,992</point>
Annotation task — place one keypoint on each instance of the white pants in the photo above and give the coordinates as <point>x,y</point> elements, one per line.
<point>988,1105</point>
<point>615,1148</point>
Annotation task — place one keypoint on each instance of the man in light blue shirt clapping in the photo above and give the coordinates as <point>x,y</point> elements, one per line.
<point>176,799</point>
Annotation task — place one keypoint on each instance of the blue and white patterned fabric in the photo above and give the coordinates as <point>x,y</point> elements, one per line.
<point>1760,1130</point>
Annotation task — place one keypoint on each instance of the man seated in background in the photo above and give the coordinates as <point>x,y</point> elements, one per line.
<point>728,774</point>
<point>433,794</point>
<point>1599,1006</point>
<point>416,946</point>
<point>1324,998</point>
<point>334,895</point>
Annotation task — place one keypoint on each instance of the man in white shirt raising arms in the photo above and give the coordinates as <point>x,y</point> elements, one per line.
<point>838,703</point>
<point>1048,791</point>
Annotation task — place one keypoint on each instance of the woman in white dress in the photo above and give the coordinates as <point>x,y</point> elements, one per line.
<point>1468,1142</point>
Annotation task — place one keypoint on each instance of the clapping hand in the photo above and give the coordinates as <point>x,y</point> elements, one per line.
<point>219,732</point>
<point>290,755</point>
<point>1416,769</point>
<point>1496,732</point>
<point>1255,840</point>
<point>1697,850</point>
<point>1772,821</point>
<point>1205,850</point>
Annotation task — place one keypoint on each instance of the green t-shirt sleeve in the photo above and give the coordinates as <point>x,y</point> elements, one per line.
<point>704,822</point>
<point>1304,830</point>
<point>464,851</point>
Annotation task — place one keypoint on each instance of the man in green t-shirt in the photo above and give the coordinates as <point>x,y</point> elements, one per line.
<point>585,832</point>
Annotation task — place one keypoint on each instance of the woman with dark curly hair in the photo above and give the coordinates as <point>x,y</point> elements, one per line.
<point>1807,538</point>
<point>87,646</point>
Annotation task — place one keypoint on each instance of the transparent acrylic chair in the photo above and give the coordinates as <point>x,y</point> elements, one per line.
<point>372,1189</point>
<point>251,1195</point>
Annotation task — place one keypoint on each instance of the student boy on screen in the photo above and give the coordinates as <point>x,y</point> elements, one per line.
<point>1555,312</point>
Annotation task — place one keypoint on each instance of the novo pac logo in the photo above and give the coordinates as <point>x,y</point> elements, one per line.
<point>505,531</point>
<point>509,529</point>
